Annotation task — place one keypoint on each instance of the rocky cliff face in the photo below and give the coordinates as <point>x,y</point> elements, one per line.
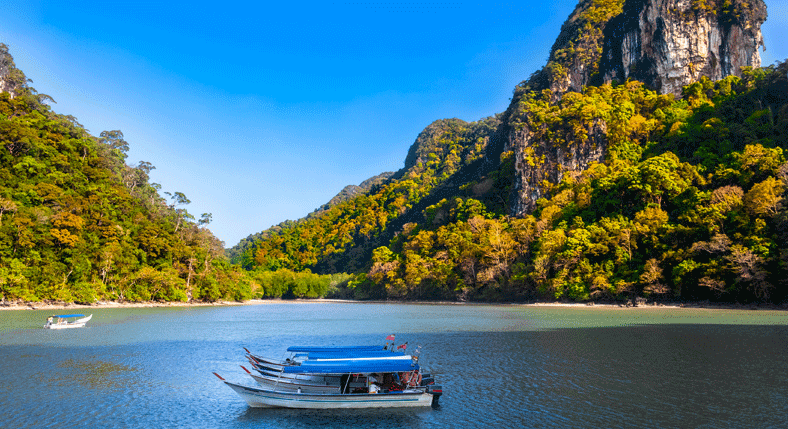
<point>670,43</point>
<point>11,78</point>
<point>574,57</point>
<point>663,43</point>
<point>538,162</point>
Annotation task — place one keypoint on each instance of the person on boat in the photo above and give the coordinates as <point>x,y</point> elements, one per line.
<point>411,378</point>
<point>373,384</point>
<point>49,320</point>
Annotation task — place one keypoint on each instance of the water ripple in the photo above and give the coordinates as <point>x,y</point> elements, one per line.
<point>154,369</point>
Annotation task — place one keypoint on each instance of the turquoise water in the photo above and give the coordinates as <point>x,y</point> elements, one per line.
<point>499,365</point>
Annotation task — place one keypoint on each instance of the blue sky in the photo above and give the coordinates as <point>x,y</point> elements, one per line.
<point>261,112</point>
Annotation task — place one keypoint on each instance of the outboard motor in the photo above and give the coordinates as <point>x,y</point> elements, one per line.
<point>436,391</point>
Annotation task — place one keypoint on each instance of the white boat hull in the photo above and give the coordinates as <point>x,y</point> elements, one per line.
<point>324,379</point>
<point>79,323</point>
<point>268,362</point>
<point>290,385</point>
<point>263,398</point>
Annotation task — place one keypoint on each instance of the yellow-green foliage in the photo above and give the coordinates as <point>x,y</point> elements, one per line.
<point>290,284</point>
<point>78,224</point>
<point>727,11</point>
<point>629,112</point>
<point>440,152</point>
<point>582,37</point>
<point>688,203</point>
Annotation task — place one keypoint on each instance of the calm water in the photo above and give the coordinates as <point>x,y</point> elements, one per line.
<point>501,366</point>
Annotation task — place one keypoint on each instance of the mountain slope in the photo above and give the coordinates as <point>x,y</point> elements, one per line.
<point>592,185</point>
<point>78,224</point>
<point>690,205</point>
<point>347,193</point>
<point>342,237</point>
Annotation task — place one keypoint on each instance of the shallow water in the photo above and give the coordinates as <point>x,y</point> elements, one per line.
<point>499,365</point>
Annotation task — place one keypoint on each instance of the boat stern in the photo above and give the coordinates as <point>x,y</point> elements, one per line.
<point>436,391</point>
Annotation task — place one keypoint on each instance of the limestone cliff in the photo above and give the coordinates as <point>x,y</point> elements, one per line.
<point>574,57</point>
<point>663,43</point>
<point>11,78</point>
<point>670,43</point>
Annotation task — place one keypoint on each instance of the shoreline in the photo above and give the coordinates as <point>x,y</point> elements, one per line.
<point>590,305</point>
<point>147,304</point>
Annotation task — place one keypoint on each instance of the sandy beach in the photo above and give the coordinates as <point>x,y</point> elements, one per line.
<point>114,304</point>
<point>589,305</point>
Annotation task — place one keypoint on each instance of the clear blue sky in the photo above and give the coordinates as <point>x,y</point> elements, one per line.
<point>260,112</point>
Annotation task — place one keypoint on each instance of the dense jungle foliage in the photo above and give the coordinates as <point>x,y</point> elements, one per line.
<point>79,224</point>
<point>236,252</point>
<point>688,204</point>
<point>340,236</point>
<point>343,237</point>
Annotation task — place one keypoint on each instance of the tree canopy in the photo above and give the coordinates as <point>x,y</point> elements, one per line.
<point>688,203</point>
<point>79,224</point>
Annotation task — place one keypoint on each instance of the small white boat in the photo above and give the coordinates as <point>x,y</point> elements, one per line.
<point>64,321</point>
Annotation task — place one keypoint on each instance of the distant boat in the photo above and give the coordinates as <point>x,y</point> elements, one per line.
<point>64,321</point>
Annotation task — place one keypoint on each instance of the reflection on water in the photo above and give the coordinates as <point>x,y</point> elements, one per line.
<point>499,365</point>
<point>90,374</point>
<point>395,418</point>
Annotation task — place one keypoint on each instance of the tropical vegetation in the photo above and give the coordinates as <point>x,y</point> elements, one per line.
<point>688,204</point>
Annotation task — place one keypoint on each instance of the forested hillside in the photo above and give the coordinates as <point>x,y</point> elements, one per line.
<point>347,193</point>
<point>622,170</point>
<point>79,224</point>
<point>688,204</point>
<point>589,187</point>
<point>342,237</point>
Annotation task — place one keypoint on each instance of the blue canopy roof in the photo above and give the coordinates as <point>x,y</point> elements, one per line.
<point>70,315</point>
<point>351,367</point>
<point>331,349</point>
